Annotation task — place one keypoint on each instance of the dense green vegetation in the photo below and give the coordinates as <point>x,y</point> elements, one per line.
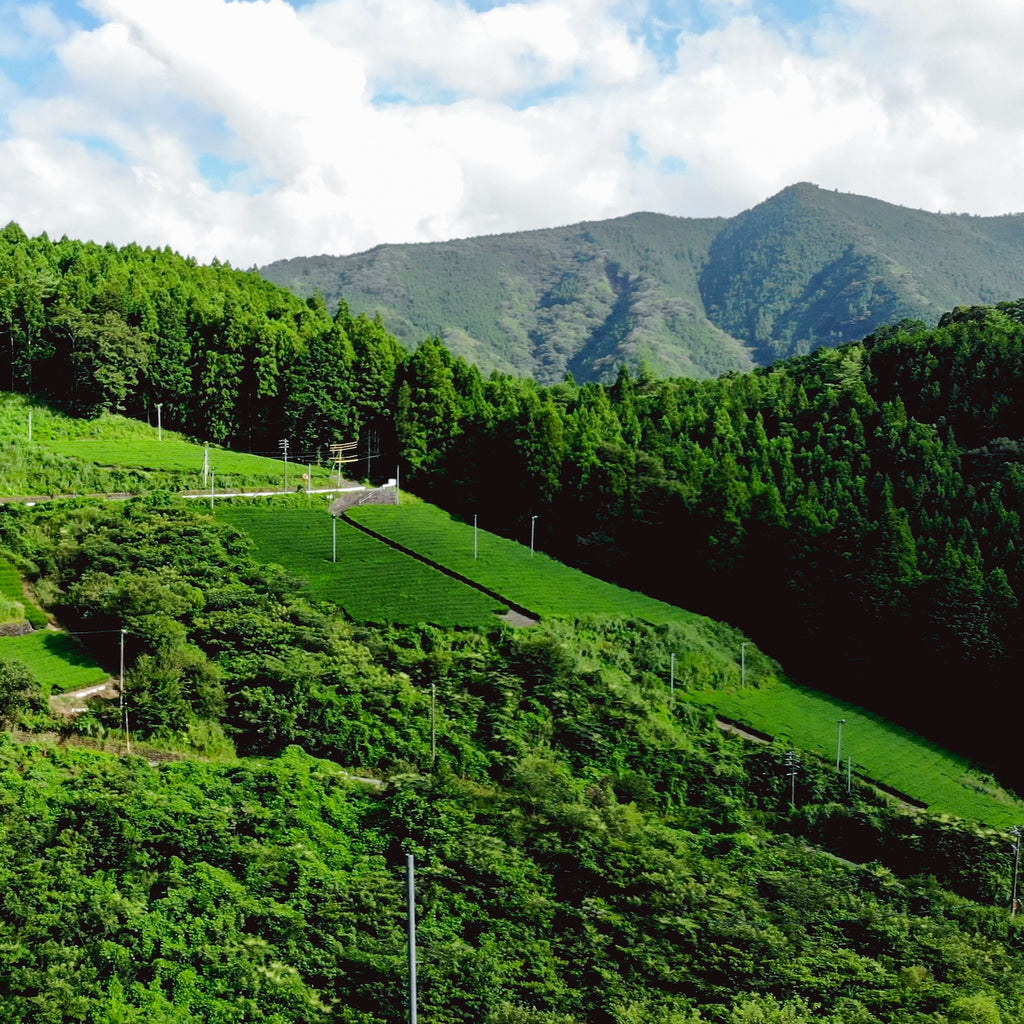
<point>686,297</point>
<point>855,511</point>
<point>586,851</point>
<point>227,355</point>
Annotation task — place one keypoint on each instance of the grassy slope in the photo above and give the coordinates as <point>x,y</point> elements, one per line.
<point>55,659</point>
<point>112,453</point>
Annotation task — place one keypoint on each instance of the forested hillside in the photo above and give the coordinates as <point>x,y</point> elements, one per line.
<point>228,356</point>
<point>588,848</point>
<point>855,510</point>
<point>592,847</point>
<point>687,297</point>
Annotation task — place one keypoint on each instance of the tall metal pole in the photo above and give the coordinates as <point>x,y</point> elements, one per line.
<point>411,879</point>
<point>124,712</point>
<point>839,747</point>
<point>30,424</point>
<point>533,523</point>
<point>1017,832</point>
<point>159,424</point>
<point>283,445</point>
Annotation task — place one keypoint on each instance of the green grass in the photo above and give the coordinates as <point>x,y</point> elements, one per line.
<point>878,749</point>
<point>55,659</point>
<point>539,583</point>
<point>173,454</point>
<point>370,580</point>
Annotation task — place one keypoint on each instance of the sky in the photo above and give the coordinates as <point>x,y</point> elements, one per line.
<point>255,130</point>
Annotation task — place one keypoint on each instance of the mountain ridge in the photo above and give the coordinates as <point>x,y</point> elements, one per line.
<point>692,297</point>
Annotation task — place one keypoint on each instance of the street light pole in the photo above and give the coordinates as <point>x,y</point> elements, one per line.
<point>1017,831</point>
<point>839,748</point>
<point>411,886</point>
<point>533,524</point>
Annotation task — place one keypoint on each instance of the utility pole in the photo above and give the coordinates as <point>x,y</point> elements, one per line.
<point>792,763</point>
<point>283,445</point>
<point>839,748</point>
<point>1017,831</point>
<point>410,872</point>
<point>124,706</point>
<point>159,424</point>
<point>341,453</point>
<point>533,524</point>
<point>206,463</point>
<point>30,424</point>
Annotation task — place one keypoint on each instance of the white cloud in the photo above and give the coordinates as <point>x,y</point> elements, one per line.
<point>351,122</point>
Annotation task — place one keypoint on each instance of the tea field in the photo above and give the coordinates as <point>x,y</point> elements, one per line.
<point>370,580</point>
<point>55,659</point>
<point>538,582</point>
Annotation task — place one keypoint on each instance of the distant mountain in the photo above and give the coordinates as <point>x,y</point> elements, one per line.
<point>689,297</point>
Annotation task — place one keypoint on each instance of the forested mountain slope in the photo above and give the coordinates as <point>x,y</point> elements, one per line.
<point>856,510</point>
<point>688,297</point>
<point>588,849</point>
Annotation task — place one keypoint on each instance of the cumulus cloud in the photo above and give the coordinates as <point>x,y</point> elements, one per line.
<point>255,130</point>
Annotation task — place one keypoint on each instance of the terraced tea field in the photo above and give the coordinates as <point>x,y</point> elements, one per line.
<point>370,580</point>
<point>55,659</point>
<point>539,583</point>
<point>179,456</point>
<point>878,749</point>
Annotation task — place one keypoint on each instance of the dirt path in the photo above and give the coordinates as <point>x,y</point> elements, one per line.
<point>71,702</point>
<point>738,730</point>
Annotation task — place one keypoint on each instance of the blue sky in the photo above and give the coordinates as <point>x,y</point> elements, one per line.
<point>252,130</point>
